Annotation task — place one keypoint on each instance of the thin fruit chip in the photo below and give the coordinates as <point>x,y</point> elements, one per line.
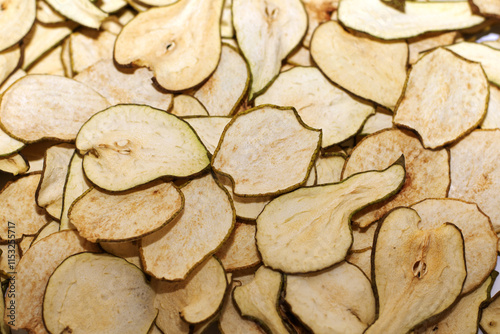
<point>88,46</point>
<point>81,11</point>
<point>9,59</point>
<point>492,118</point>
<point>418,45</point>
<point>14,164</point>
<point>318,11</point>
<point>15,21</point>
<point>185,105</point>
<point>209,129</point>
<point>240,250</point>
<point>490,314</point>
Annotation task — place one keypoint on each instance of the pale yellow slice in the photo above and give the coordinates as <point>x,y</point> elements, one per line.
<point>318,11</point>
<point>82,11</point>
<point>240,250</point>
<point>492,118</point>
<point>490,315</point>
<point>209,129</point>
<point>46,14</point>
<point>88,46</point>
<point>185,105</point>
<point>14,164</point>
<point>49,63</point>
<point>9,60</point>
<point>16,19</point>
<point>419,45</point>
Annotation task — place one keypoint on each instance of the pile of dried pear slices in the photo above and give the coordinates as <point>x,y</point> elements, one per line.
<point>260,166</point>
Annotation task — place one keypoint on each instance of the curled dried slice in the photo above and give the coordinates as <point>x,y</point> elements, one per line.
<point>185,105</point>
<point>240,250</point>
<point>309,229</point>
<point>9,59</point>
<point>98,293</point>
<point>430,271</point>
<point>14,164</point>
<point>33,272</point>
<point>19,214</point>
<point>475,175</point>
<point>117,137</point>
<point>492,118</point>
<point>81,11</point>
<point>51,187</point>
<point>209,129</point>
<point>377,69</point>
<point>267,31</point>
<point>427,172</point>
<point>222,93</point>
<point>103,216</point>
<point>15,21</point>
<point>50,113</point>
<point>124,86</point>
<point>206,222</point>
<point>192,300</point>
<point>451,107</point>
<point>375,18</point>
<point>490,314</point>
<point>266,150</point>
<point>319,104</point>
<point>338,300</point>
<point>180,43</point>
<point>480,240</point>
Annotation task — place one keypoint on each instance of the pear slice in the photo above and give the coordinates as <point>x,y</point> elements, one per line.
<point>418,45</point>
<point>226,27</point>
<point>492,118</point>
<point>14,164</point>
<point>111,6</point>
<point>240,250</point>
<point>102,216</point>
<point>50,113</point>
<point>319,104</point>
<point>427,172</point>
<point>362,260</point>
<point>47,230</point>
<point>49,63</point>
<point>209,129</point>
<point>363,237</point>
<point>417,273</point>
<point>16,20</point>
<point>192,300</point>
<point>117,137</point>
<point>33,273</point>
<point>318,11</point>
<point>46,14</point>
<point>376,69</point>
<point>451,107</point>
<point>329,168</point>
<point>490,314</point>
<point>186,105</point>
<point>89,46</point>
<point>158,3</point>
<point>338,300</point>
<point>206,222</point>
<point>375,18</point>
<point>266,150</point>
<point>309,229</point>
<point>379,121</point>
<point>300,57</point>
<point>16,75</point>
<point>267,31</point>
<point>222,93</point>
<point>98,293</point>
<point>9,59</point>
<point>81,11</point>
<point>488,8</point>
<point>180,43</point>
<point>128,250</point>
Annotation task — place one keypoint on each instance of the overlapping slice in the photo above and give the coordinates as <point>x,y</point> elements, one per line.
<point>46,14</point>
<point>81,11</point>
<point>309,229</point>
<point>427,172</point>
<point>51,114</point>
<point>487,7</point>
<point>49,63</point>
<point>490,315</point>
<point>363,238</point>
<point>33,272</point>
<point>492,118</point>
<point>329,168</point>
<point>320,104</point>
<point>209,129</point>
<point>372,69</point>
<point>267,31</point>
<point>318,11</point>
<point>451,107</point>
<point>206,222</point>
<point>240,250</point>
<point>338,300</point>
<point>418,45</point>
<point>16,20</point>
<point>14,164</point>
<point>192,300</point>
<point>128,250</point>
<point>9,59</point>
<point>145,143</point>
<point>186,105</point>
<point>375,18</point>
<point>180,43</point>
<point>266,150</point>
<point>417,273</point>
<point>90,46</point>
<point>98,293</point>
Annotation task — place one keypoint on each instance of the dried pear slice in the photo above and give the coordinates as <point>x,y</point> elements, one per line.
<point>124,86</point>
<point>51,187</point>
<point>463,317</point>
<point>318,11</point>
<point>25,244</point>
<point>9,258</point>
<point>9,59</point>
<point>16,75</point>
<point>240,250</point>
<point>418,45</point>
<point>128,250</point>
<point>338,300</point>
<point>379,121</point>
<point>47,230</point>
<point>308,229</point>
<point>19,211</point>
<point>448,109</point>
<point>35,154</point>
<point>267,31</point>
<point>116,137</point>
<point>185,105</point>
<point>9,145</point>
<point>492,118</point>
<point>363,260</point>
<point>266,150</point>
<point>489,322</point>
<point>88,46</point>
<point>222,93</point>
<point>329,168</point>
<point>380,78</point>
<point>192,300</point>
<point>15,21</point>
<point>258,300</point>
<point>319,104</point>
<point>363,237</point>
<point>475,175</point>
<point>98,293</point>
<point>33,272</point>
<point>158,3</point>
<point>209,129</point>
<point>480,240</point>
<point>180,43</point>
<point>377,19</point>
<point>80,11</point>
<point>52,115</point>
<point>206,222</point>
<point>300,57</point>
<point>483,54</point>
<point>46,14</point>
<point>226,26</point>
<point>427,172</point>
<point>49,63</point>
<point>14,164</point>
<point>488,8</point>
<point>417,273</point>
<point>102,216</point>
<point>111,6</point>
